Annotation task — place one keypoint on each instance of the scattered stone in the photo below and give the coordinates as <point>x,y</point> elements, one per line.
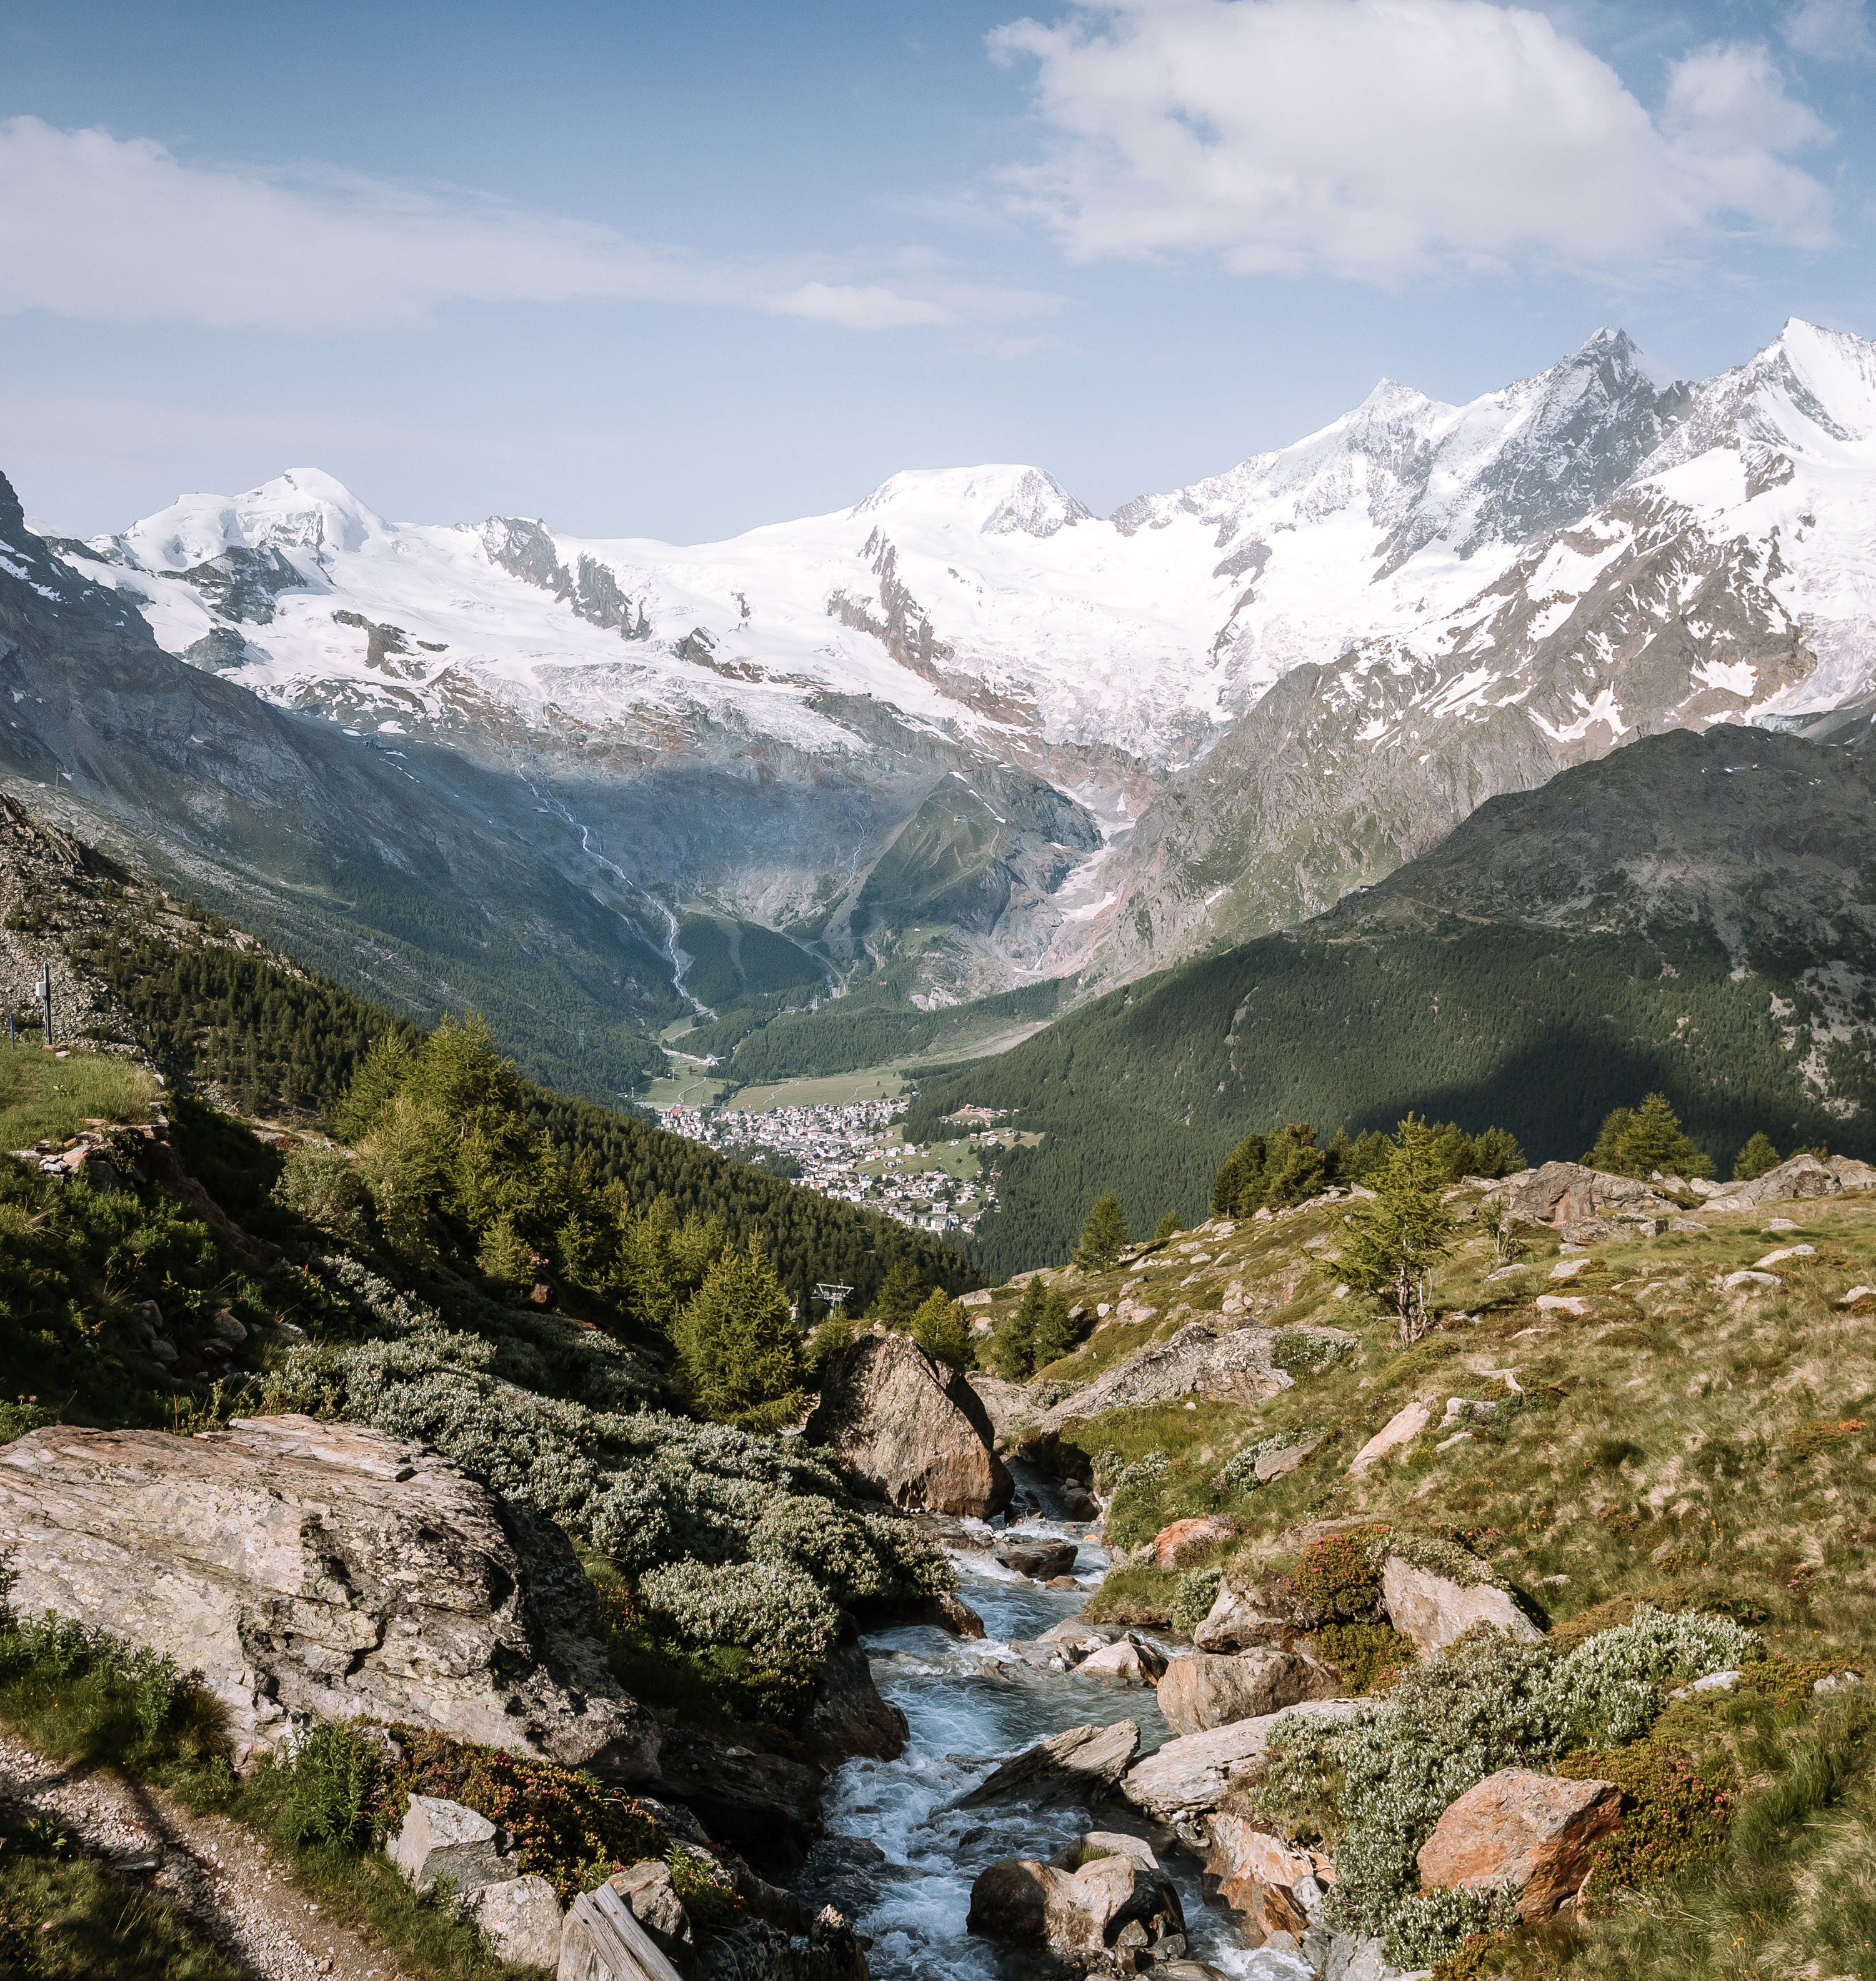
<point>1433,1611</point>
<point>1188,1776</point>
<point>1022,1903</point>
<point>1686,1224</point>
<point>905,1428</point>
<point>1285,1459</point>
<point>1070,1767</point>
<point>647,1888</point>
<point>847,1717</point>
<point>1577,1304</point>
<point>1183,1537</point>
<point>1748,1282</point>
<point>1078,1505</point>
<point>1858,1293</point>
<point>522,1918</point>
<point>1202,1692</point>
<point>1783,1253</point>
<point>951,1611</point>
<point>1132,1661</point>
<point>1457,1437</point>
<point>1233,1366</point>
<point>1565,1193</point>
<point>1532,1832</point>
<point>1719,1681</point>
<point>1570,1268</point>
<point>1782,1224</point>
<point>440,1839</point>
<point>1588,1230</point>
<point>323,1571</point>
<point>1506,1272</point>
<point>1401,1429</point>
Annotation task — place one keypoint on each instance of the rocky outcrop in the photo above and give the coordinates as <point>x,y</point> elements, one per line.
<point>1532,1833</point>
<point>1189,1536</point>
<point>1561,1194</point>
<point>1233,1367</point>
<point>1802,1177</point>
<point>439,1838</point>
<point>521,1918</point>
<point>1203,1692</point>
<point>768,1806</point>
<point>905,1428</point>
<point>1118,1898</point>
<point>1129,1661</point>
<point>1273,1887</point>
<point>1079,1767</point>
<point>1188,1777</point>
<point>1238,1621</point>
<point>316,1571</point>
<point>1434,1611</point>
<point>1039,1557</point>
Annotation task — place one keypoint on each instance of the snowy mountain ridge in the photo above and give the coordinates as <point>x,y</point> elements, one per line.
<point>1209,712</point>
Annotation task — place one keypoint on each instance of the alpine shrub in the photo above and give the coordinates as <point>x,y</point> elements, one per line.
<point>332,1779</point>
<point>1192,1599</point>
<point>1672,1818</point>
<point>771,1610</point>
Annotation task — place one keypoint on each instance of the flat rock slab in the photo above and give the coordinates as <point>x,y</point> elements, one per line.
<point>1188,1777</point>
<point>1400,1430</point>
<point>1203,1692</point>
<point>1433,1611</point>
<point>317,1571</point>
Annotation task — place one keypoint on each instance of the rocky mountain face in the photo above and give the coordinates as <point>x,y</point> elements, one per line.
<point>972,734</point>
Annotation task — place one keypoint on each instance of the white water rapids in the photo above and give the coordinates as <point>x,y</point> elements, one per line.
<point>962,1722</point>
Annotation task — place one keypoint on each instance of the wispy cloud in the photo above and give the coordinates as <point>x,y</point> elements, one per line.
<point>119,231</point>
<point>1831,30</point>
<point>1379,139</point>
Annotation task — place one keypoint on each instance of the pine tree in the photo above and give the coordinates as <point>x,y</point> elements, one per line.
<point>1637,1141</point>
<point>1755,1158</point>
<point>739,1358</point>
<point>1168,1227</point>
<point>899,1297</point>
<point>1012,1344</point>
<point>1395,1239</point>
<point>1102,1235</point>
<point>942,1329</point>
<point>1055,1333</point>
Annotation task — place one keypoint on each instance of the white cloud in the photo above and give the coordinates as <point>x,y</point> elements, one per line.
<point>1831,30</point>
<point>1380,138</point>
<point>111,230</point>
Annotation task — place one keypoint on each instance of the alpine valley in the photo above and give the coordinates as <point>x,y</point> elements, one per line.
<point>963,739</point>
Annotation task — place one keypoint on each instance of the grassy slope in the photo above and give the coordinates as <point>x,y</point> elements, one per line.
<point>1675,1439</point>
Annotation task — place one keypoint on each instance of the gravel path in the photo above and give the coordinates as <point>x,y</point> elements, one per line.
<point>233,1888</point>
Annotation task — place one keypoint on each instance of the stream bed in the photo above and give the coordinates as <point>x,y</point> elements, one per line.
<point>963,1719</point>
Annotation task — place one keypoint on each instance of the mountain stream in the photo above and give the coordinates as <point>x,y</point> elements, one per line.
<point>969,1703</point>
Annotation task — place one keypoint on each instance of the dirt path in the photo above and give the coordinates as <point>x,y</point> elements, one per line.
<point>232,1887</point>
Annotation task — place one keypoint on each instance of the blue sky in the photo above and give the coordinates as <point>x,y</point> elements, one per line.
<point>676,271</point>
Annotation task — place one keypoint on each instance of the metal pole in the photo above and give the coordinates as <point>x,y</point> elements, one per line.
<point>45,999</point>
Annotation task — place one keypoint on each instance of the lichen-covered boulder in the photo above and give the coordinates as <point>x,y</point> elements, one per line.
<point>905,1428</point>
<point>1203,1691</point>
<point>317,1571</point>
<point>1434,1611</point>
<point>1531,1833</point>
<point>1272,1884</point>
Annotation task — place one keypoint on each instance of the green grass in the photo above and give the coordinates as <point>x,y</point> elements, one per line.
<point>43,1098</point>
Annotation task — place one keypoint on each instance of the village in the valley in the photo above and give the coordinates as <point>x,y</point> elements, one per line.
<point>855,1151</point>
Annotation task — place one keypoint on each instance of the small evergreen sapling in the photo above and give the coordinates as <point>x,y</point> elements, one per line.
<point>1102,1235</point>
<point>1396,1239</point>
<point>1012,1345</point>
<point>942,1328</point>
<point>1755,1159</point>
<point>1637,1141</point>
<point>739,1356</point>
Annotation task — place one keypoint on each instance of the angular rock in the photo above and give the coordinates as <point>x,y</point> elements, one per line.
<point>1039,1558</point>
<point>1576,1305</point>
<point>522,1918</point>
<point>1130,1661</point>
<point>1279,1463</point>
<point>907,1428</point>
<point>767,1806</point>
<point>322,1571</point>
<point>1183,1537</point>
<point>1188,1777</point>
<point>1021,1902</point>
<point>1560,1193</point>
<point>1273,1887</point>
<point>950,1612</point>
<point>1103,1844</point>
<point>1802,1177</point>
<point>441,1838</point>
<point>1233,1366</point>
<point>847,1718</point>
<point>1534,1833</point>
<point>1749,1283</point>
<point>1084,1762</point>
<point>1236,1622</point>
<point>758,1951</point>
<point>1401,1429</point>
<point>1203,1692</point>
<point>1433,1611</point>
<point>647,1888</point>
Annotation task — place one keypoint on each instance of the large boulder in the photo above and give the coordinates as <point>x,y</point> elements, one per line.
<point>317,1571</point>
<point>905,1428</point>
<point>1079,1766</point>
<point>847,1719</point>
<point>1803,1176</point>
<point>1232,1365</point>
<point>1532,1833</point>
<point>1205,1691</point>
<point>1130,1661</point>
<point>1561,1194</point>
<point>1187,1778</point>
<point>1273,1885</point>
<point>1172,1544</point>
<point>1433,1611</point>
<point>1021,1901</point>
<point>1239,1620</point>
